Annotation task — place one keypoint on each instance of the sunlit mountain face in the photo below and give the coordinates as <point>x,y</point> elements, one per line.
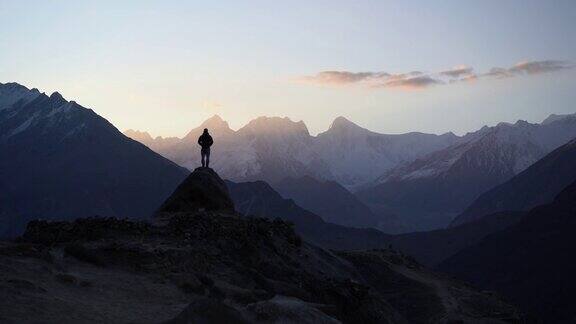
<point>273,148</point>
<point>424,180</point>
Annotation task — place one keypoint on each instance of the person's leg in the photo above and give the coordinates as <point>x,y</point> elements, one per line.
<point>208,157</point>
<point>203,155</point>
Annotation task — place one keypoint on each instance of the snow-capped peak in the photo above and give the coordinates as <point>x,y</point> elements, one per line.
<point>343,123</point>
<point>11,93</point>
<point>275,125</point>
<point>554,118</point>
<point>215,122</point>
<point>142,137</point>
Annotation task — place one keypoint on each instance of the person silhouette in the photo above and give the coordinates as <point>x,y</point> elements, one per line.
<point>205,141</point>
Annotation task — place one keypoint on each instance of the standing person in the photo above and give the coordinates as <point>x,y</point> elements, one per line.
<point>205,140</point>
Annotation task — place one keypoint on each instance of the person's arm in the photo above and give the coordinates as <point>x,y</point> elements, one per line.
<point>200,140</point>
<point>211,140</point>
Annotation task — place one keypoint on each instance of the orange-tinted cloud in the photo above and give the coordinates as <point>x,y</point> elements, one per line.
<point>420,80</point>
<point>409,80</point>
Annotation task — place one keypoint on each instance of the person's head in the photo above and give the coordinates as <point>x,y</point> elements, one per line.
<point>205,130</point>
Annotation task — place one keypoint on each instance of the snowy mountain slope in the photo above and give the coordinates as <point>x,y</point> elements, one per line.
<point>355,154</point>
<point>444,182</point>
<point>536,185</point>
<point>13,93</point>
<point>273,148</point>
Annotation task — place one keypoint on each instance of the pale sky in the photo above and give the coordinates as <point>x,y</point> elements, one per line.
<point>165,66</point>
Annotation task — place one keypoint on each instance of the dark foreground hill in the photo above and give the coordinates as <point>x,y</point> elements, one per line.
<point>59,160</point>
<point>433,247</point>
<point>334,203</point>
<point>531,262</point>
<point>209,265</point>
<point>429,248</point>
<point>261,200</point>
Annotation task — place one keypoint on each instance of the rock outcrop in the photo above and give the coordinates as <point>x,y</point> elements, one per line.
<point>202,190</point>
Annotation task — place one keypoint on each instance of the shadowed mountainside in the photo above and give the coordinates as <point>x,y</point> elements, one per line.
<point>334,203</point>
<point>60,160</point>
<point>260,200</point>
<point>431,248</point>
<point>530,262</point>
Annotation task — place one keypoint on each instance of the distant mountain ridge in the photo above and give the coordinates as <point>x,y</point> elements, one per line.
<point>259,199</point>
<point>60,160</point>
<point>433,189</point>
<point>335,204</point>
<point>273,148</point>
<point>536,185</point>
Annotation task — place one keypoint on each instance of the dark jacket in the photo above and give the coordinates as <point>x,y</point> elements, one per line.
<point>205,140</point>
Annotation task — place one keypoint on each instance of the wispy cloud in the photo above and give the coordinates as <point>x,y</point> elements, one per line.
<point>497,72</point>
<point>419,80</point>
<point>344,77</point>
<point>414,82</point>
<point>458,71</point>
<point>537,67</point>
<point>409,80</point>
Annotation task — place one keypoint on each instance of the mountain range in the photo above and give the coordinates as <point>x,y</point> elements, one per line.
<point>59,160</point>
<point>513,186</point>
<point>430,178</point>
<point>273,148</point>
<point>406,182</point>
<point>431,191</point>
<point>536,185</point>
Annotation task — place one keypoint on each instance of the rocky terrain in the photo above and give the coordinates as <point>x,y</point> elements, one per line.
<point>207,264</point>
